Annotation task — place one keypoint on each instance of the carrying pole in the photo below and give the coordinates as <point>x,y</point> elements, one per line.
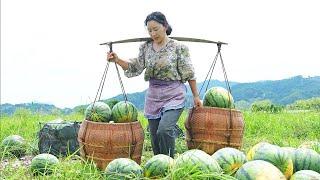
<point>176,38</point>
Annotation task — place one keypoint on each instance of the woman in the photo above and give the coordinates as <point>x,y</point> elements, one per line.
<point>168,66</point>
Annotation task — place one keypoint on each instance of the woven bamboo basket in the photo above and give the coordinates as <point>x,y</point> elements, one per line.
<point>104,142</point>
<point>210,129</point>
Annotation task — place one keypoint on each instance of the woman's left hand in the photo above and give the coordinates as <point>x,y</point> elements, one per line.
<point>197,102</point>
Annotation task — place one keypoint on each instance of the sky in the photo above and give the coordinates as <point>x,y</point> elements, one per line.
<point>50,50</point>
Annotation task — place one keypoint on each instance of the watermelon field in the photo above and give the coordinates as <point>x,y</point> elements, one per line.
<point>284,129</point>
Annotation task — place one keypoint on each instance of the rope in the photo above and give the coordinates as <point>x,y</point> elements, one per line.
<point>101,84</point>
<point>229,124</point>
<point>121,84</point>
<point>209,72</point>
<point>207,83</point>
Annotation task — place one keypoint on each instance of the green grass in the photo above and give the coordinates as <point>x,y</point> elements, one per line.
<point>283,129</point>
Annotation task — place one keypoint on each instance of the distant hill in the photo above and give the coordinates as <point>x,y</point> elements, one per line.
<point>33,107</point>
<point>283,92</point>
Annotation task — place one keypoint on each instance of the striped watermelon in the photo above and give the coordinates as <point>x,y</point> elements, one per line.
<point>273,154</point>
<point>315,145</point>
<point>100,112</point>
<point>14,145</point>
<point>123,168</point>
<point>305,175</point>
<point>258,169</point>
<point>290,151</point>
<point>124,111</point>
<point>230,159</point>
<point>197,160</point>
<point>218,97</point>
<point>44,164</point>
<point>158,166</point>
<point>306,159</point>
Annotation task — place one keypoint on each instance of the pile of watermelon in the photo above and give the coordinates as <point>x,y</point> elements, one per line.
<point>121,112</point>
<point>263,161</point>
<point>218,97</point>
<point>274,162</point>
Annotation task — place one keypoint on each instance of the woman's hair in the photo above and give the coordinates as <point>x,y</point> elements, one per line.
<point>160,18</point>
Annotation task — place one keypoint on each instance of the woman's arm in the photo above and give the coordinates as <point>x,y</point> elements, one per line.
<point>196,97</point>
<point>113,57</point>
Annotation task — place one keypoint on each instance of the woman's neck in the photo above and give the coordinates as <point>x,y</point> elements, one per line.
<point>158,45</point>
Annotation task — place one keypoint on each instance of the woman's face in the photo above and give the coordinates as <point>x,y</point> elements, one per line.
<point>156,31</point>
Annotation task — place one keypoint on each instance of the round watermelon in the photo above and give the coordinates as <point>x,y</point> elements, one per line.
<point>124,112</point>
<point>218,97</point>
<point>259,169</point>
<point>98,112</point>
<point>14,145</point>
<point>273,154</point>
<point>305,175</point>
<point>306,159</point>
<point>230,159</point>
<point>44,164</point>
<point>315,145</point>
<point>197,160</point>
<point>158,166</point>
<point>123,168</point>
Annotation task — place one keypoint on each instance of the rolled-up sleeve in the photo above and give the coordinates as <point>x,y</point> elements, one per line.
<point>136,65</point>
<point>185,67</point>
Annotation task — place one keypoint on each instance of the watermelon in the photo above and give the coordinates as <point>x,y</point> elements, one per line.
<point>315,145</point>
<point>197,160</point>
<point>44,164</point>
<point>99,112</point>
<point>218,97</point>
<point>259,169</point>
<point>230,159</point>
<point>124,112</point>
<point>158,166</point>
<point>273,154</point>
<point>123,168</point>
<point>306,159</point>
<point>305,175</point>
<point>14,145</point>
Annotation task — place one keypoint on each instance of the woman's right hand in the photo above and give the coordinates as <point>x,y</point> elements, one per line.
<point>112,57</point>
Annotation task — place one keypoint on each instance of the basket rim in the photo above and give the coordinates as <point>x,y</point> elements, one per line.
<point>216,108</point>
<point>112,124</point>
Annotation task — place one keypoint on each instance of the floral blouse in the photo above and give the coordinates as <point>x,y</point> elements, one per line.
<point>172,62</point>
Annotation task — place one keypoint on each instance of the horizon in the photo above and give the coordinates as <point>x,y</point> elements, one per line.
<point>47,103</point>
<point>50,50</point>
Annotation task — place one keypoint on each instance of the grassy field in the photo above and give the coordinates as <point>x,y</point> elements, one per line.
<point>283,129</point>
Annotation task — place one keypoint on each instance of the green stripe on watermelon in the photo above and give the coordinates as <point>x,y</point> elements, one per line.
<point>306,159</point>
<point>229,159</point>
<point>124,112</point>
<point>158,166</point>
<point>305,175</point>
<point>273,154</point>
<point>197,160</point>
<point>259,169</point>
<point>123,168</point>
<point>218,97</point>
<point>99,112</point>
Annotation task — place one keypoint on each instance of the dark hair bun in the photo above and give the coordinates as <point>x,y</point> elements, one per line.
<point>169,30</point>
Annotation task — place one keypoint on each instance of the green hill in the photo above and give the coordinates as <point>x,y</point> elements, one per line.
<point>285,91</point>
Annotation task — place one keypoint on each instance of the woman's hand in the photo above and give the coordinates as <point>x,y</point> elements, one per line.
<point>112,57</point>
<point>197,102</point>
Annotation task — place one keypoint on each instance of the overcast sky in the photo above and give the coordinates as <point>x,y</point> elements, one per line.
<point>50,49</point>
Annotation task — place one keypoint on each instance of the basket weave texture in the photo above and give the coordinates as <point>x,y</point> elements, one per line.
<point>210,129</point>
<point>104,142</point>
